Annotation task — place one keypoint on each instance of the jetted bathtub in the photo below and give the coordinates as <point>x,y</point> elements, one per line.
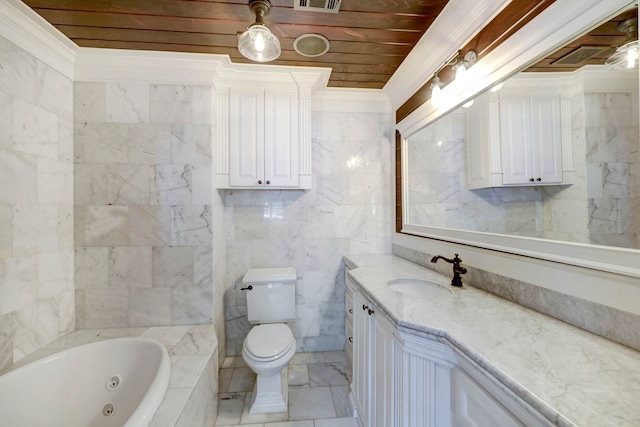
<point>112,383</point>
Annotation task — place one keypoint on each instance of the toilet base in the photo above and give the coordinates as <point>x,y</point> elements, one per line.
<point>270,393</point>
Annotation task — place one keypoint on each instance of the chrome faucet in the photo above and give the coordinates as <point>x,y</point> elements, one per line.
<point>457,268</point>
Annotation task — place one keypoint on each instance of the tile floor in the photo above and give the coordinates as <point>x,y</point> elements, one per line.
<point>318,393</point>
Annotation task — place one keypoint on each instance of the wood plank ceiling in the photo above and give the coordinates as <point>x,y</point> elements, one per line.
<point>369,39</point>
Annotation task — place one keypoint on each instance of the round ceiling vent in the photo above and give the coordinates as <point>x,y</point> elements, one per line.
<point>311,45</point>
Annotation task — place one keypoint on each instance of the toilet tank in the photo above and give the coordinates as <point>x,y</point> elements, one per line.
<point>272,298</point>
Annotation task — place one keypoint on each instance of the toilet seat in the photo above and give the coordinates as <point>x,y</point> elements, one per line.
<point>269,341</point>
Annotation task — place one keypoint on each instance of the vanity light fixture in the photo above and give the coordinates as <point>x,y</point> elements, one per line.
<point>462,63</point>
<point>258,43</point>
<point>626,56</point>
<point>436,91</point>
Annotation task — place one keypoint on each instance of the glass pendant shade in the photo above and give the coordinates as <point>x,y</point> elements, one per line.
<point>259,44</point>
<point>626,56</point>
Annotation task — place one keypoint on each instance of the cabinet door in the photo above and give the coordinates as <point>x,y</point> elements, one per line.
<point>246,137</point>
<point>281,138</point>
<point>516,138</point>
<point>547,137</point>
<point>362,354</point>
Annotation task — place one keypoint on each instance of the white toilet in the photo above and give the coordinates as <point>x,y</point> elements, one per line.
<point>270,345</point>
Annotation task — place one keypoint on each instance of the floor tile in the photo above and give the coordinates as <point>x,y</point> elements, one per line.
<point>304,358</point>
<point>234,362</point>
<point>224,379</point>
<point>298,376</point>
<point>337,422</point>
<point>340,396</point>
<point>248,418</point>
<point>310,403</point>
<point>230,408</point>
<point>306,423</point>
<point>327,374</point>
<point>334,356</point>
<point>242,379</point>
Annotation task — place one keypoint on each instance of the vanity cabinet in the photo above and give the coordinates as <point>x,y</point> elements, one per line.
<point>373,365</point>
<point>263,138</point>
<point>402,378</point>
<point>518,138</point>
<point>348,320</point>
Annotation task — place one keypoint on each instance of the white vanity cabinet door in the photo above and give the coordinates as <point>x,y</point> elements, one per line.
<point>373,365</point>
<point>531,138</point>
<point>362,359</point>
<point>263,138</point>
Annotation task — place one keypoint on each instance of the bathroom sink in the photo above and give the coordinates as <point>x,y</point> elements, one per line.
<point>419,288</point>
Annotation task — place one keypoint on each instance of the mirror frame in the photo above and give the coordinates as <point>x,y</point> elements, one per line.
<point>561,22</point>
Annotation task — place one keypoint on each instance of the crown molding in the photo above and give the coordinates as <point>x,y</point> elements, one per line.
<point>441,40</point>
<point>351,100</point>
<point>22,26</point>
<point>587,79</point>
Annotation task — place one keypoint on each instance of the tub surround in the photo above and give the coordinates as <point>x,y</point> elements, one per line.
<point>191,398</point>
<point>570,376</point>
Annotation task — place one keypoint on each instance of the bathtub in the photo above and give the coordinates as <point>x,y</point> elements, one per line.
<point>112,383</point>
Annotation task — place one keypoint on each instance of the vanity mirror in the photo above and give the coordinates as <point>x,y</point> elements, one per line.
<point>590,214</point>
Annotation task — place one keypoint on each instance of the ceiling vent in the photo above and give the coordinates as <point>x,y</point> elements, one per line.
<point>579,56</point>
<point>326,6</point>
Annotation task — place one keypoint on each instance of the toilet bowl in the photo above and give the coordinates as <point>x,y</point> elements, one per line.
<point>270,345</point>
<point>267,350</point>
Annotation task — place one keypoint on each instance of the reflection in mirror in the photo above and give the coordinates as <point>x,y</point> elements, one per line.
<point>498,166</point>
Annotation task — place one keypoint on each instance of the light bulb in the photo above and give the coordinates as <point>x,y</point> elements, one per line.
<point>461,73</point>
<point>497,87</point>
<point>468,104</point>
<point>632,56</point>
<point>258,43</point>
<point>436,92</point>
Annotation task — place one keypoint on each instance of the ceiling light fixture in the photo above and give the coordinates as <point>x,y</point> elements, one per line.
<point>626,56</point>
<point>258,43</point>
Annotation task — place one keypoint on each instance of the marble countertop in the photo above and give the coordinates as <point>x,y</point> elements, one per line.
<point>571,376</point>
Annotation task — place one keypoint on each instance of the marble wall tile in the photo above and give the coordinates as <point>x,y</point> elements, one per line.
<point>172,266</point>
<point>101,143</point>
<point>191,225</point>
<point>149,144</point>
<point>89,102</point>
<point>130,267</point>
<point>126,103</point>
<point>91,267</point>
<point>34,130</point>
<point>6,231</point>
<point>149,306</point>
<point>106,226</point>
<point>171,184</point>
<point>21,170</point>
<point>106,308</point>
<point>312,230</point>
<point>150,225</point>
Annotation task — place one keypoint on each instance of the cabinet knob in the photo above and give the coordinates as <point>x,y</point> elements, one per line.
<point>370,312</point>
<point>269,182</point>
<point>364,307</point>
<point>260,181</point>
<point>539,179</point>
<point>350,339</point>
<point>531,179</point>
<point>351,310</point>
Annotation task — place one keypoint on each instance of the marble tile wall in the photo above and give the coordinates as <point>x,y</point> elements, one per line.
<point>312,230</point>
<point>613,168</point>
<point>144,205</point>
<point>36,204</point>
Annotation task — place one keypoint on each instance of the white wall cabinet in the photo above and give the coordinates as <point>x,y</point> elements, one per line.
<point>262,129</point>
<point>263,138</point>
<point>518,138</point>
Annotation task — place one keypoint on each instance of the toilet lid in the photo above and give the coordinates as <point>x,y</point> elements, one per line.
<point>269,340</point>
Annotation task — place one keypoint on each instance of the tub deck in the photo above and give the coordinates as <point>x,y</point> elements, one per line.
<point>191,398</point>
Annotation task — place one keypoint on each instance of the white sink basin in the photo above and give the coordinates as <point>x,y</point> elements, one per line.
<point>419,288</point>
